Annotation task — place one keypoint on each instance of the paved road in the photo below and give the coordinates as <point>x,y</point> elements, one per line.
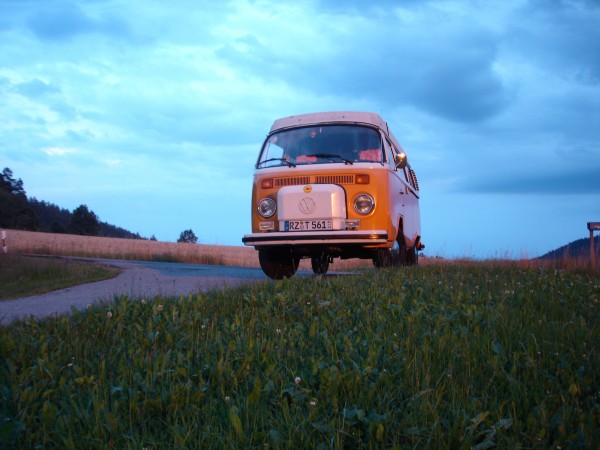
<point>136,280</point>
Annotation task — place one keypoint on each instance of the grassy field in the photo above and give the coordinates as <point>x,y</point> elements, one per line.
<point>443,356</point>
<point>25,275</point>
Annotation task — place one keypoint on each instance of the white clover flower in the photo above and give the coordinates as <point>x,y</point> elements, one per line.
<point>313,402</point>
<point>143,301</point>
<point>109,314</point>
<point>297,380</point>
<point>160,307</point>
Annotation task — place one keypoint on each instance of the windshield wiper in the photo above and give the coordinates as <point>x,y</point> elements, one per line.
<point>330,156</point>
<point>290,164</point>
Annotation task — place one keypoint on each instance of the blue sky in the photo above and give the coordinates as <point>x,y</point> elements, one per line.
<point>152,113</point>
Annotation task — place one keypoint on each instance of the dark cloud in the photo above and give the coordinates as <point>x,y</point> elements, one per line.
<point>68,20</point>
<point>461,87</point>
<point>569,182</point>
<point>362,7</point>
<point>560,36</point>
<point>47,95</point>
<point>35,88</point>
<point>447,71</point>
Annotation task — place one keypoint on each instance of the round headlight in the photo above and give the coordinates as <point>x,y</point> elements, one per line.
<point>267,207</point>
<point>364,204</point>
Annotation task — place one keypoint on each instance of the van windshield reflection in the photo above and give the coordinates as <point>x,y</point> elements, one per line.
<point>327,144</point>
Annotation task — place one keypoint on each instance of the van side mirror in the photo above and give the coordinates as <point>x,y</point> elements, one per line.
<point>400,160</point>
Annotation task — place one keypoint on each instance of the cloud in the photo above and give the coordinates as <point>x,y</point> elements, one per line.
<point>58,151</point>
<point>461,87</point>
<point>35,88</point>
<point>380,8</point>
<point>571,181</point>
<point>113,162</point>
<point>445,69</point>
<point>562,37</point>
<point>67,20</point>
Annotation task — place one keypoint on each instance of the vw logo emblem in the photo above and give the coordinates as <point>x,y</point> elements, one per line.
<point>306,205</point>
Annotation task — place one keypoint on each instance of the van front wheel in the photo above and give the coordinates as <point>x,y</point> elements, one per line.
<point>277,264</point>
<point>390,257</point>
<point>382,258</point>
<point>320,264</point>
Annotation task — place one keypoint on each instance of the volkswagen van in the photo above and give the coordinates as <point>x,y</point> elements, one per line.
<point>333,185</point>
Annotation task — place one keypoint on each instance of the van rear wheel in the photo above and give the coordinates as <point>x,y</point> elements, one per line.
<point>277,264</point>
<point>412,257</point>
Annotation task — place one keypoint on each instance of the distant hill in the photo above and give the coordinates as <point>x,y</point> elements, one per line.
<point>19,212</point>
<point>54,219</point>
<point>579,249</point>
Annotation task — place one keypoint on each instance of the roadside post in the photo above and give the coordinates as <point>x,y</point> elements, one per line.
<point>593,226</point>
<point>4,246</point>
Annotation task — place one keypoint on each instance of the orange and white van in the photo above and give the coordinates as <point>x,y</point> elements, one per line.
<point>333,185</point>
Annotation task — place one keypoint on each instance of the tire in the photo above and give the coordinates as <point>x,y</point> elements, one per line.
<point>382,258</point>
<point>412,257</point>
<point>277,264</point>
<point>391,257</point>
<point>320,264</point>
<point>399,254</point>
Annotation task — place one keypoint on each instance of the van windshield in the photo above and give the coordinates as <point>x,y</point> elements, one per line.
<point>325,144</point>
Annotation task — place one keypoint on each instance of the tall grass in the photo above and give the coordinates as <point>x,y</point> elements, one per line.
<point>449,356</point>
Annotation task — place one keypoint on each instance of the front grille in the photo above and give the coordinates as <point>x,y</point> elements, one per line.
<point>290,181</point>
<point>334,179</point>
<point>316,179</point>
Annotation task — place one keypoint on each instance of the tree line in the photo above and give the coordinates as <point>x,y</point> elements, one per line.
<point>19,212</point>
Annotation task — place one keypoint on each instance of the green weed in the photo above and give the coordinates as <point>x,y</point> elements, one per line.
<point>473,356</point>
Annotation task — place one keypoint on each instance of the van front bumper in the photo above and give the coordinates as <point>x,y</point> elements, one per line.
<point>367,237</point>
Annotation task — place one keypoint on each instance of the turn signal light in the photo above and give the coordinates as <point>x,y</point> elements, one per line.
<point>267,183</point>
<point>362,178</point>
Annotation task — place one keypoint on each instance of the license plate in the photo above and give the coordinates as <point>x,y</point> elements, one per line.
<point>308,225</point>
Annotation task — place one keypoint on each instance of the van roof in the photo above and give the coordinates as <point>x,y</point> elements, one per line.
<point>348,117</point>
<point>330,117</point>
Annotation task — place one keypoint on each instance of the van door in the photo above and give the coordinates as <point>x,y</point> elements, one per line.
<point>397,188</point>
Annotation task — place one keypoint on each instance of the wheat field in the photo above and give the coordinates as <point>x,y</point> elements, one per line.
<point>29,242</point>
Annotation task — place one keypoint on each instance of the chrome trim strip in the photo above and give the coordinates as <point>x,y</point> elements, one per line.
<point>311,237</point>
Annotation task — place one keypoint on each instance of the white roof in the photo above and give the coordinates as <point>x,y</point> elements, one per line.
<point>330,117</point>
<point>348,117</point>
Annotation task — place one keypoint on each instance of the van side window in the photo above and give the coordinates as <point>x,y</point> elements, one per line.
<point>411,177</point>
<point>387,150</point>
